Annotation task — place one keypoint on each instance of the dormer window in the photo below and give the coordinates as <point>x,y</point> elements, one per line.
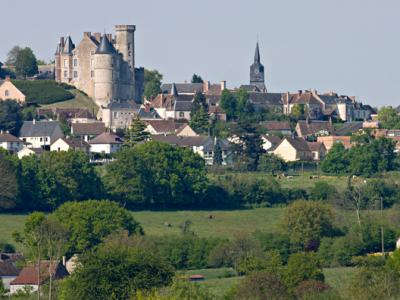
<point>7,93</point>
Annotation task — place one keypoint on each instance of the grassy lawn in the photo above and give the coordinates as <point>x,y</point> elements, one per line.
<point>8,224</point>
<point>80,100</point>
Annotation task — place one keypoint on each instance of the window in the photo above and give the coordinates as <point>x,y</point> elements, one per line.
<point>7,93</point>
<point>41,139</point>
<point>65,74</point>
<point>92,74</point>
<point>129,46</point>
<point>75,62</point>
<point>91,62</point>
<point>65,63</point>
<point>75,74</point>
<point>129,53</point>
<point>181,114</point>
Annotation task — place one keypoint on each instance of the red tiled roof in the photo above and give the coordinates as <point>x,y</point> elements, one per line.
<point>164,126</point>
<point>276,125</point>
<point>29,274</point>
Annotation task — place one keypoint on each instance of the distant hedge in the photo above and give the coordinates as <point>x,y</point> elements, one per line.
<point>43,91</point>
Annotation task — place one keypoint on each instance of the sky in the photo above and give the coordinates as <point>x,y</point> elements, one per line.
<point>348,46</point>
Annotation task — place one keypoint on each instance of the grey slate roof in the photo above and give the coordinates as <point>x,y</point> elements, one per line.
<point>128,105</point>
<point>106,138</point>
<point>183,105</point>
<point>349,128</point>
<point>182,88</point>
<point>265,98</point>
<point>7,137</point>
<point>105,46</point>
<point>69,46</point>
<point>39,128</point>
<point>149,115</point>
<point>88,128</point>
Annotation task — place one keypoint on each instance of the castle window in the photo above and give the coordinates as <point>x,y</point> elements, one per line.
<point>75,62</point>
<point>75,74</point>
<point>181,114</point>
<point>91,62</point>
<point>129,46</point>
<point>92,74</point>
<point>65,63</point>
<point>65,74</point>
<point>7,93</point>
<point>129,53</point>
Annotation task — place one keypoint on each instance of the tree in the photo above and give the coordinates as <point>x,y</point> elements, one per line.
<point>116,271</point>
<point>217,159</point>
<point>249,147</point>
<point>298,111</point>
<point>9,182</point>
<point>89,222</point>
<point>197,79</point>
<point>389,118</point>
<point>12,56</point>
<point>152,83</point>
<point>228,103</point>
<point>301,267</point>
<point>136,133</point>
<point>272,163</point>
<point>307,222</point>
<point>26,64</point>
<point>157,175</point>
<point>199,121</point>
<point>337,160</point>
<point>323,191</point>
<point>10,116</point>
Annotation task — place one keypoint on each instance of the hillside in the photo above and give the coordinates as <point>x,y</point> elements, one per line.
<point>79,100</point>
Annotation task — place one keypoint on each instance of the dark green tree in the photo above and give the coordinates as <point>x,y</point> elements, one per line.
<point>136,133</point>
<point>298,111</point>
<point>323,191</point>
<point>199,121</point>
<point>12,56</point>
<point>9,182</point>
<point>152,83</point>
<point>10,116</point>
<point>337,160</point>
<point>197,79</point>
<point>217,154</point>
<point>157,175</point>
<point>228,103</point>
<point>272,164</point>
<point>389,118</point>
<point>89,222</point>
<point>26,64</point>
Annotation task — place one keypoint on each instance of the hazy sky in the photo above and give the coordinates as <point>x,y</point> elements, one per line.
<point>349,46</point>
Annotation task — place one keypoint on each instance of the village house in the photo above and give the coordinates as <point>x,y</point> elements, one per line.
<point>192,88</point>
<point>270,142</point>
<point>69,143</point>
<point>8,271</point>
<point>276,127</point>
<point>10,142</point>
<point>293,149</point>
<point>9,91</point>
<point>87,131</point>
<point>185,130</point>
<point>330,140</point>
<point>40,134</point>
<point>29,278</point>
<point>318,150</point>
<point>25,151</point>
<point>105,143</point>
<point>308,128</point>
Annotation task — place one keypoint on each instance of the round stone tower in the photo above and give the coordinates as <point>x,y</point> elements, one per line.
<point>125,44</point>
<point>103,72</point>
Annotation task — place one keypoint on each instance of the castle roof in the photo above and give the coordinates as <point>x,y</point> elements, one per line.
<point>69,46</point>
<point>105,46</point>
<point>257,55</point>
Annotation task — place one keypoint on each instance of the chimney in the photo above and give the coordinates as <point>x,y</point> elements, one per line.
<point>223,85</point>
<point>206,86</point>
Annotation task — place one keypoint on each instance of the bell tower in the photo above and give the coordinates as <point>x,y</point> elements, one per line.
<point>257,75</point>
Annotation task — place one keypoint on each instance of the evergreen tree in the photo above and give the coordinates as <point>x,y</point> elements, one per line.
<point>152,83</point>
<point>197,79</point>
<point>26,64</point>
<point>136,133</point>
<point>217,153</point>
<point>199,121</point>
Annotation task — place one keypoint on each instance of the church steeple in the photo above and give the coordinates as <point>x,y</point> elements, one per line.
<point>257,76</point>
<point>257,55</point>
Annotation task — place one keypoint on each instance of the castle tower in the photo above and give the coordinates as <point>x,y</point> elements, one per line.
<point>64,60</point>
<point>125,45</point>
<point>104,59</point>
<point>257,76</point>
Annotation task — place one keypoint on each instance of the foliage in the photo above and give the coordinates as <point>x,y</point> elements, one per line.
<point>12,55</point>
<point>229,104</point>
<point>10,116</point>
<point>9,183</point>
<point>88,222</point>
<point>197,79</point>
<point>272,163</point>
<point>301,267</point>
<point>336,161</point>
<point>217,159</point>
<point>152,83</point>
<point>298,111</point>
<point>323,191</point>
<point>157,175</point>
<point>42,91</point>
<point>56,177</point>
<point>6,247</point>
<point>261,285</point>
<point>199,121</point>
<point>116,271</point>
<point>25,63</point>
<point>307,222</point>
<point>274,242</point>
<point>136,133</point>
<point>309,288</point>
<point>388,118</point>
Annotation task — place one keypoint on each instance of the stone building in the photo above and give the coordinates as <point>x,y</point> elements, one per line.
<point>103,66</point>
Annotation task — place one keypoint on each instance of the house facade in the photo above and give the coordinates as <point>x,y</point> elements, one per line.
<point>9,91</point>
<point>87,131</point>
<point>105,143</point>
<point>293,149</point>
<point>40,134</point>
<point>10,143</point>
<point>66,144</point>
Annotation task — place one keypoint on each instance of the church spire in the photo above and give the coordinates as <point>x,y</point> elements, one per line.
<point>257,55</point>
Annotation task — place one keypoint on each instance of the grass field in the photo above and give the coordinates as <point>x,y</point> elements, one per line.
<point>80,100</point>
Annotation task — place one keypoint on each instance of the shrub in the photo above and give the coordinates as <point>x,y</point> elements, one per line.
<point>301,267</point>
<point>43,91</point>
<point>322,191</point>
<point>272,164</point>
<point>309,288</point>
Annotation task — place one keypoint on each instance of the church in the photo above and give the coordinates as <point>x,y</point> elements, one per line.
<point>102,66</point>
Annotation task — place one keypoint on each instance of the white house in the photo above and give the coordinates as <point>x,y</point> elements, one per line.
<point>106,143</point>
<point>25,151</point>
<point>270,142</point>
<point>10,142</point>
<point>65,144</point>
<point>40,134</point>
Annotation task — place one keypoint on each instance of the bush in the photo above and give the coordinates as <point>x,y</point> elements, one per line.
<point>323,191</point>
<point>309,288</point>
<point>272,164</point>
<point>275,242</point>
<point>43,91</point>
<point>302,267</point>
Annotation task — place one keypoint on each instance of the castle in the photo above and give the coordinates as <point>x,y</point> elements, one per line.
<point>102,66</point>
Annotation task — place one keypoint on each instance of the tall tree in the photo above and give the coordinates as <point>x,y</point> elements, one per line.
<point>199,121</point>
<point>197,79</point>
<point>136,133</point>
<point>228,103</point>
<point>12,56</point>
<point>10,116</point>
<point>389,118</point>
<point>26,64</point>
<point>9,182</point>
<point>298,111</point>
<point>152,83</point>
<point>217,153</point>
